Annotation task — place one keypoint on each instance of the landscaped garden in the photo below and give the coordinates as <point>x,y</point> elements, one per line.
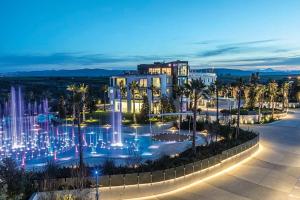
<point>81,129</point>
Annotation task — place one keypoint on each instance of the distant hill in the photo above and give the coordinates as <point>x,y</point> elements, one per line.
<point>238,72</point>
<point>67,73</point>
<point>105,72</point>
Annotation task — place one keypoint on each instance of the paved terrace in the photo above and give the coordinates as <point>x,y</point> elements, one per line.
<point>273,173</point>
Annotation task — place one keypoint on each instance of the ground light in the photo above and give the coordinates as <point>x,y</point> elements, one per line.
<point>207,178</point>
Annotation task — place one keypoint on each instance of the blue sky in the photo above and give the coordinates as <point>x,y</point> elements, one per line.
<point>115,34</point>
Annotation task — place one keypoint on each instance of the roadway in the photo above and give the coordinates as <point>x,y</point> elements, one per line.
<point>272,174</point>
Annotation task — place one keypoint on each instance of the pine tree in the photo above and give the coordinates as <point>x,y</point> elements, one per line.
<point>145,110</point>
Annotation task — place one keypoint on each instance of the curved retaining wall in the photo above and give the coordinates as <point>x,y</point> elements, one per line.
<point>147,184</point>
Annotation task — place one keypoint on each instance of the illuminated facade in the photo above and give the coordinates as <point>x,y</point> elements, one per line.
<point>154,86</point>
<point>154,81</point>
<point>178,70</point>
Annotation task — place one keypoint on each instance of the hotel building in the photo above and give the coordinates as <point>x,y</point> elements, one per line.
<point>154,81</point>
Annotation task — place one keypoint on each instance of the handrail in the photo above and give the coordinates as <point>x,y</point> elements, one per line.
<point>155,176</point>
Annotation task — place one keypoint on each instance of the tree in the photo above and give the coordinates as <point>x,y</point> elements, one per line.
<point>78,107</point>
<point>240,87</point>
<point>272,93</point>
<point>72,88</point>
<point>167,105</point>
<point>105,94</point>
<point>252,91</point>
<point>78,102</point>
<point>285,95</point>
<point>62,107</point>
<point>154,91</point>
<point>246,90</point>
<point>144,111</point>
<point>260,94</point>
<point>195,88</point>
<point>217,88</point>
<point>179,90</point>
<point>91,104</point>
<point>187,94</point>
<point>297,89</point>
<point>133,87</point>
<point>11,179</point>
<point>83,89</point>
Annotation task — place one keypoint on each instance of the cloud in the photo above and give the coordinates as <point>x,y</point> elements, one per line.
<point>72,58</point>
<point>205,42</point>
<point>255,42</point>
<point>75,60</point>
<point>274,56</point>
<point>57,58</point>
<point>219,51</point>
<point>267,61</point>
<point>239,47</point>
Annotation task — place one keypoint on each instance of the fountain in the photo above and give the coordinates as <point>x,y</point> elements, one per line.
<point>117,121</point>
<point>19,126</point>
<point>28,136</point>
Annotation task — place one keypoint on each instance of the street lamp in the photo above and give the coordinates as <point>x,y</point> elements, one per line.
<point>97,187</point>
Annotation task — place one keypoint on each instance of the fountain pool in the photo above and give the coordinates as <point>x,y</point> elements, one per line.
<point>28,135</point>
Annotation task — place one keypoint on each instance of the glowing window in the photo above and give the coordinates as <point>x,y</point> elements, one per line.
<point>166,71</point>
<point>143,82</point>
<point>156,82</point>
<point>154,70</point>
<point>182,71</point>
<point>121,82</point>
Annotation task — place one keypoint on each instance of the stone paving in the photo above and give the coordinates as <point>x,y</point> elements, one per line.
<point>273,174</point>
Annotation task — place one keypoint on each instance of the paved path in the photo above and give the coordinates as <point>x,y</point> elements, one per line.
<point>273,174</point>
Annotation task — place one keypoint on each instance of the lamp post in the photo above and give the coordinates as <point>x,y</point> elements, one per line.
<point>97,187</point>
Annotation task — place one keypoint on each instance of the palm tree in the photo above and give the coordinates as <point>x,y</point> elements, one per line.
<point>78,107</point>
<point>252,94</point>
<point>217,87</point>
<point>83,89</point>
<point>195,88</point>
<point>260,95</point>
<point>187,94</point>
<point>72,88</point>
<point>133,87</point>
<point>105,93</point>
<point>180,93</point>
<point>285,95</point>
<point>154,90</point>
<point>246,90</point>
<point>77,101</point>
<point>272,92</point>
<point>240,87</point>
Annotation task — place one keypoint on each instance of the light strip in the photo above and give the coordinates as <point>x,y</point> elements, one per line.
<point>206,178</point>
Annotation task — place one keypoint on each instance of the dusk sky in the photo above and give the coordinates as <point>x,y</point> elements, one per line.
<point>119,34</point>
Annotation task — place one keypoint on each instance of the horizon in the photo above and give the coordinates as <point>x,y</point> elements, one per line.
<point>234,34</point>
<point>262,70</point>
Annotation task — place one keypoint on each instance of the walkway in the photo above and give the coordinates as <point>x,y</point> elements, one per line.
<point>273,174</point>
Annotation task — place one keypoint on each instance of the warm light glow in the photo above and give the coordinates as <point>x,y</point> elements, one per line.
<point>183,188</point>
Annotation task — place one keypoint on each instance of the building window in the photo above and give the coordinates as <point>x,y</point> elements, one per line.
<point>143,82</point>
<point>118,105</point>
<point>166,71</point>
<point>154,70</point>
<point>138,105</point>
<point>156,82</point>
<point>121,82</point>
<point>182,70</point>
<point>182,81</point>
